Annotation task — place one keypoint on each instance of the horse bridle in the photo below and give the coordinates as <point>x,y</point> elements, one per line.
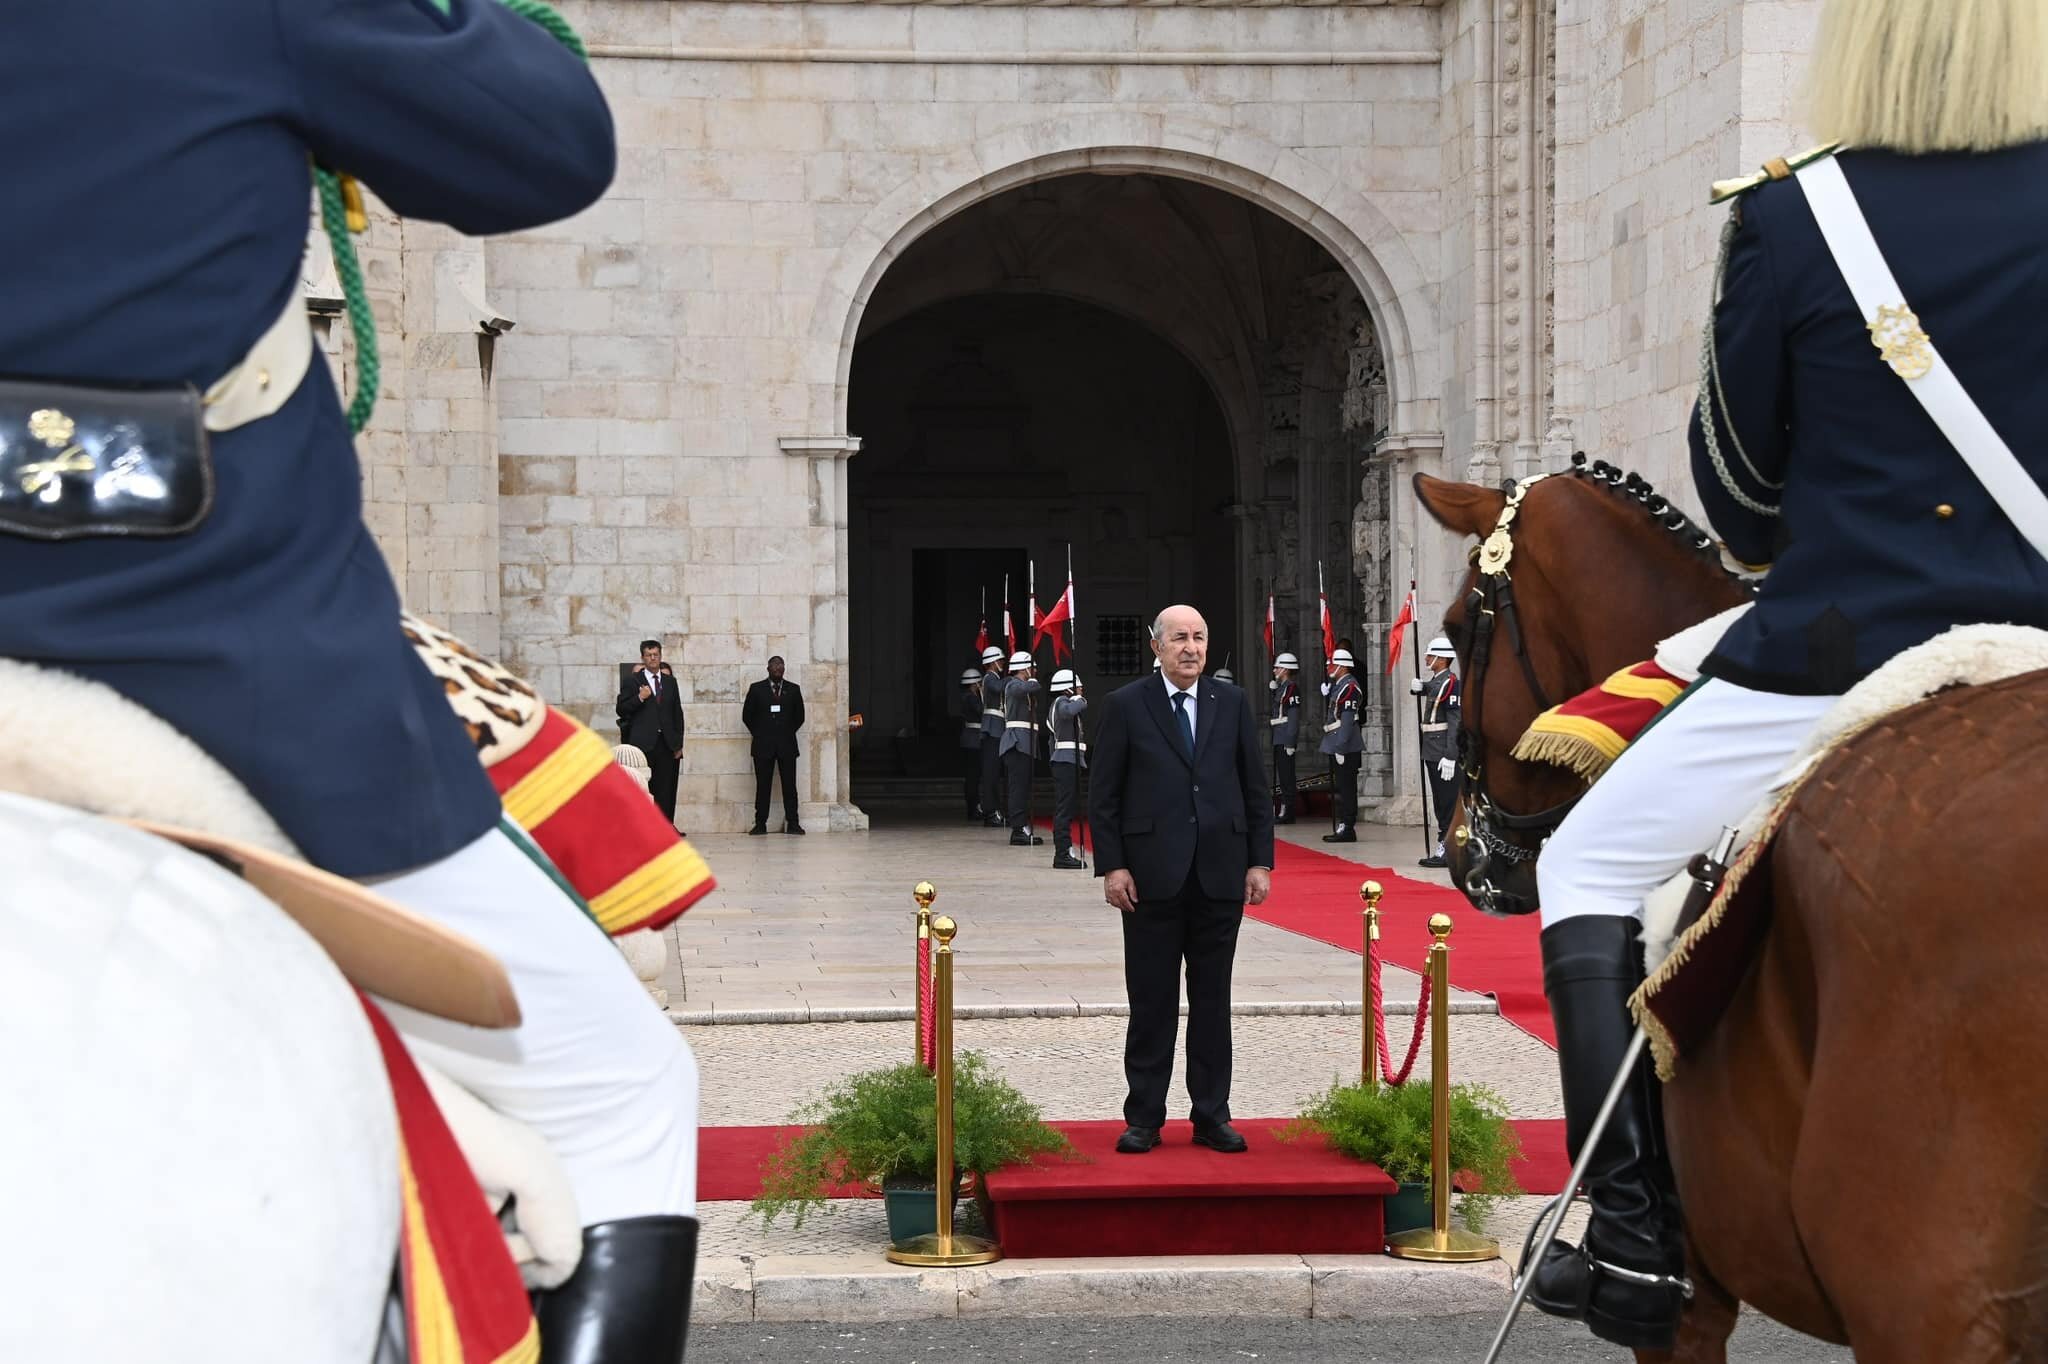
<point>1485,837</point>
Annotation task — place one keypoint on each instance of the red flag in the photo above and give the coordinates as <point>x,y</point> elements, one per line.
<point>1009,630</point>
<point>1062,611</point>
<point>1269,625</point>
<point>1398,634</point>
<point>1329,630</point>
<point>981,638</point>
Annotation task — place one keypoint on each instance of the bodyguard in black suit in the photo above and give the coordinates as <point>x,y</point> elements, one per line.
<point>1183,840</point>
<point>773,713</point>
<point>651,718</point>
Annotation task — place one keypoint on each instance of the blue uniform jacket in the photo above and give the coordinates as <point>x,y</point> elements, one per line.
<point>1881,538</point>
<point>158,155</point>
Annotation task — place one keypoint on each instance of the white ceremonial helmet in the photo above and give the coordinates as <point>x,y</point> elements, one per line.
<point>1063,680</point>
<point>1287,661</point>
<point>1342,658</point>
<point>991,654</point>
<point>1441,648</point>
<point>1225,675</point>
<point>1022,659</point>
<point>969,676</point>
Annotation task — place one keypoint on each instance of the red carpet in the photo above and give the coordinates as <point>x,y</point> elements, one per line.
<point>729,1159</point>
<point>1315,894</point>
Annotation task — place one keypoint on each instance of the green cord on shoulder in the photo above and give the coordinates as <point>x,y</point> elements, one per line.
<point>334,220</point>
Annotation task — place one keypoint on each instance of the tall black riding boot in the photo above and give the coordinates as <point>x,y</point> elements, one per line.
<point>1627,1282</point>
<point>628,1301</point>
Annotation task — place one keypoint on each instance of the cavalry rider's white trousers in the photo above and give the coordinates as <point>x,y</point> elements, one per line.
<point>1698,770</point>
<point>594,1066</point>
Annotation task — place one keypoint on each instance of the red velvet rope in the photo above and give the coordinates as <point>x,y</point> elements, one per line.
<point>1379,1021</point>
<point>927,1020</point>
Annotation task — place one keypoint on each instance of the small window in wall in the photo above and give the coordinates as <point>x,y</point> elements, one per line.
<point>1120,645</point>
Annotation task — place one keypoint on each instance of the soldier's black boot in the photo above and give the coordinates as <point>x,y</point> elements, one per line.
<point>1627,1282</point>
<point>628,1301</point>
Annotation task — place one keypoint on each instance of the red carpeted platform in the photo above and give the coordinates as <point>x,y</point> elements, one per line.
<point>1279,1198</point>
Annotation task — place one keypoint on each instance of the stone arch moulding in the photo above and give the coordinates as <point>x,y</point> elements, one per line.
<point>1346,224</point>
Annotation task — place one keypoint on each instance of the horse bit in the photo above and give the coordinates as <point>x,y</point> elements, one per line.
<point>1485,835</point>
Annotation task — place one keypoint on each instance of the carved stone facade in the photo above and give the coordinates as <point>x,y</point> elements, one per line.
<point>1451,236</point>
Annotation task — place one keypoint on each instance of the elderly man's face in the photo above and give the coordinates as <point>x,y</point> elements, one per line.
<point>1182,645</point>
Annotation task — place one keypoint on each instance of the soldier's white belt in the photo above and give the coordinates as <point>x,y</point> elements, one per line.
<point>1436,729</point>
<point>995,713</point>
<point>1280,721</point>
<point>268,375</point>
<point>1066,744</point>
<point>1333,726</point>
<point>1017,724</point>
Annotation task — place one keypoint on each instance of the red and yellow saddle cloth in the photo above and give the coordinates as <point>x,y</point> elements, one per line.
<point>1587,733</point>
<point>465,1303</point>
<point>559,783</point>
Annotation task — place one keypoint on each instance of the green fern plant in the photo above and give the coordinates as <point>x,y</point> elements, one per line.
<point>881,1126</point>
<point>1389,1125</point>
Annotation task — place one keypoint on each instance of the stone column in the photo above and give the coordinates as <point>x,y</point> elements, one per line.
<point>827,680</point>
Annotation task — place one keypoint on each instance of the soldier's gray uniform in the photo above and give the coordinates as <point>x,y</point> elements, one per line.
<point>991,744</point>
<point>1019,748</point>
<point>1069,756</point>
<point>970,746</point>
<point>1286,726</point>
<point>1440,741</point>
<point>1343,742</point>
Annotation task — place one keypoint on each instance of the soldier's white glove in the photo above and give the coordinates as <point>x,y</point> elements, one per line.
<point>1415,686</point>
<point>1447,769</point>
<point>1288,751</point>
<point>1337,758</point>
<point>1325,689</point>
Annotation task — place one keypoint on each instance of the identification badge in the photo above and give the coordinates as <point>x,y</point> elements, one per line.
<point>775,710</point>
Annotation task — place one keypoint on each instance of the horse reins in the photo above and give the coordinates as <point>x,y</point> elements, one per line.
<point>1491,608</point>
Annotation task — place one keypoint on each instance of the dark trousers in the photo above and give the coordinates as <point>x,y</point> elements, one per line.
<point>1066,791</point>
<point>1283,777</point>
<point>1345,779</point>
<point>970,777</point>
<point>1444,795</point>
<point>663,770</point>
<point>1158,937</point>
<point>1017,766</point>
<point>765,767</point>
<point>991,775</point>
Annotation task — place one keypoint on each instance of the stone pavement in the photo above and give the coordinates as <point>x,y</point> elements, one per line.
<point>797,971</point>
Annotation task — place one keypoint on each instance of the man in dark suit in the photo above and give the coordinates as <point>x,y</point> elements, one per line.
<point>651,717</point>
<point>1183,832</point>
<point>773,713</point>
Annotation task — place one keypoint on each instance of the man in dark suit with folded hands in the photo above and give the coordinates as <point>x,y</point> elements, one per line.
<point>1183,827</point>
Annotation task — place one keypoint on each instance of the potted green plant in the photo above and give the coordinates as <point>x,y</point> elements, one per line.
<point>1389,1125</point>
<point>881,1127</point>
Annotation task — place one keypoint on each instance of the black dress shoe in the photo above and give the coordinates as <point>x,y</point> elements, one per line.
<point>996,821</point>
<point>1019,839</point>
<point>1283,819</point>
<point>1136,1141</point>
<point>792,828</point>
<point>1433,860</point>
<point>1222,1137</point>
<point>757,830</point>
<point>629,1298</point>
<point>1342,836</point>
<point>1066,861</point>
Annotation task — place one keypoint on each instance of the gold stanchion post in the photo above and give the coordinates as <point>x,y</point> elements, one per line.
<point>943,1247</point>
<point>924,892</point>
<point>1369,1064</point>
<point>1438,1242</point>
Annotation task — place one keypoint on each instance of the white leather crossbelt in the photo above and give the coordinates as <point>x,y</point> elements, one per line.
<point>268,375</point>
<point>1911,354</point>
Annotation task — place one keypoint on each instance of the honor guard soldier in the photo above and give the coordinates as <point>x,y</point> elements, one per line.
<point>1225,675</point>
<point>1439,692</point>
<point>1069,756</point>
<point>1020,744</point>
<point>992,668</point>
<point>1286,725</point>
<point>970,742</point>
<point>1343,742</point>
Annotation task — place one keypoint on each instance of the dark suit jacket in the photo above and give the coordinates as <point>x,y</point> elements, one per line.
<point>774,735</point>
<point>1155,814</point>
<point>657,722</point>
<point>1864,562</point>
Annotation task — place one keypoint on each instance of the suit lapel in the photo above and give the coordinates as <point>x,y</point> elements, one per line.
<point>1162,715</point>
<point>1205,719</point>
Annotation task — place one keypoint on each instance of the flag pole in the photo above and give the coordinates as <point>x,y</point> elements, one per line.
<point>1031,708</point>
<point>1330,763</point>
<point>1415,666</point>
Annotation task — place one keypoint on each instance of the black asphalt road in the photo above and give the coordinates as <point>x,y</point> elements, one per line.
<point>1167,1340</point>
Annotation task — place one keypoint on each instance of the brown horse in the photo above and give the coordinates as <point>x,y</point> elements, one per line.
<point>1861,1144</point>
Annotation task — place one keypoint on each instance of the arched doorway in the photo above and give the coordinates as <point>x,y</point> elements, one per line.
<point>1161,375</point>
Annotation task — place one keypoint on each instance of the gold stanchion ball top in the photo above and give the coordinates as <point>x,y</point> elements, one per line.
<point>943,928</point>
<point>924,892</point>
<point>1371,892</point>
<point>1440,926</point>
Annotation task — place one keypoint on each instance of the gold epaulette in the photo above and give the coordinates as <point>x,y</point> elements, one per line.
<point>1777,168</point>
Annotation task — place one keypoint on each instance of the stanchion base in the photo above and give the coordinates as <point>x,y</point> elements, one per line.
<point>1454,1247</point>
<point>935,1251</point>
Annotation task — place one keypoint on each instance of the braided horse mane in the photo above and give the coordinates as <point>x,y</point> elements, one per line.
<point>1636,489</point>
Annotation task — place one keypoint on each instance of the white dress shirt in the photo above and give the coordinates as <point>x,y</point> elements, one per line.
<point>1173,691</point>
